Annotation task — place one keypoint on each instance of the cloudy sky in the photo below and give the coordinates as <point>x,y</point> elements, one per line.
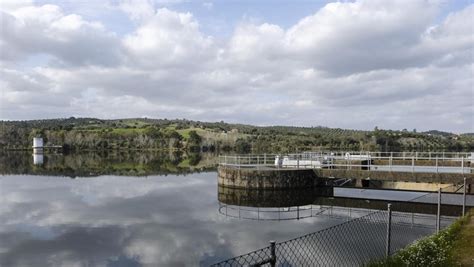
<point>391,64</point>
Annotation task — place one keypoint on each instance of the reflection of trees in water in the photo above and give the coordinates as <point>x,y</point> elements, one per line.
<point>134,163</point>
<point>194,159</point>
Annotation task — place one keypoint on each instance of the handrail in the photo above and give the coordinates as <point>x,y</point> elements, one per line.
<point>461,163</point>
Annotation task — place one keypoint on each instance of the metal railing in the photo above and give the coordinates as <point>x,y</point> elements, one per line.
<point>355,242</point>
<point>411,218</point>
<point>431,162</point>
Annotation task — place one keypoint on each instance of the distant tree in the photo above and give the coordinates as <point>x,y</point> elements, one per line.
<point>194,138</point>
<point>242,146</point>
<point>153,132</point>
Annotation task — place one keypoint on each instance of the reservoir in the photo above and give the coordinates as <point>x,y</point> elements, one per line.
<point>169,213</point>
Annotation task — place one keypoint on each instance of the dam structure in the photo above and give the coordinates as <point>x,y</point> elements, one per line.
<point>396,170</point>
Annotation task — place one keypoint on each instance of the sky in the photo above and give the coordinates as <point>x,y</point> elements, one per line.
<point>352,64</point>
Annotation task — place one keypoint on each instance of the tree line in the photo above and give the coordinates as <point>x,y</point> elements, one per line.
<point>79,134</point>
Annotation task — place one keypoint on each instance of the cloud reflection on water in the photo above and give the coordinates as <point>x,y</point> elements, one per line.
<point>127,221</point>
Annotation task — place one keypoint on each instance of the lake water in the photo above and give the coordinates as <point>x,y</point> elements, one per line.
<point>99,219</point>
<point>128,221</point>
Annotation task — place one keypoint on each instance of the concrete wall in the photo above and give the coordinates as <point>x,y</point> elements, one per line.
<point>446,178</point>
<point>307,178</point>
<point>266,178</point>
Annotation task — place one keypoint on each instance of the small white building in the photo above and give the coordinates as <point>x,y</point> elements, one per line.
<point>37,142</point>
<point>38,145</point>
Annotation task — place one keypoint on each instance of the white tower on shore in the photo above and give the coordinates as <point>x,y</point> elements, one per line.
<point>38,145</point>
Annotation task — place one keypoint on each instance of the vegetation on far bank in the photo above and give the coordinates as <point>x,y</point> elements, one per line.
<point>163,134</point>
<point>453,246</point>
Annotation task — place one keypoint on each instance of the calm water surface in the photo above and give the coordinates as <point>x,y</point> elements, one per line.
<point>134,209</point>
<point>127,221</point>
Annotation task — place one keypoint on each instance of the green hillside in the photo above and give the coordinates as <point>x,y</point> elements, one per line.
<point>162,134</point>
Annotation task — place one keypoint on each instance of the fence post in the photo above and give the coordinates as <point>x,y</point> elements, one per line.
<point>464,197</point>
<point>389,230</point>
<point>438,216</point>
<point>391,160</point>
<point>273,254</point>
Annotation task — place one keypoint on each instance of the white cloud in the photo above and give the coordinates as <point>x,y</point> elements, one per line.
<point>12,5</point>
<point>352,64</point>
<point>168,39</point>
<point>137,9</point>
<point>70,39</point>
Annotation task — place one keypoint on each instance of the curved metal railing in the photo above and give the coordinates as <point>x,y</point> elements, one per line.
<point>431,162</point>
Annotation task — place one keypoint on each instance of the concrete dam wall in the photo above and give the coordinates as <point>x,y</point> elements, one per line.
<point>267,178</point>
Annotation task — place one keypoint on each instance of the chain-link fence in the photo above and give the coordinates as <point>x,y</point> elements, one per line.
<point>357,241</point>
<point>350,243</point>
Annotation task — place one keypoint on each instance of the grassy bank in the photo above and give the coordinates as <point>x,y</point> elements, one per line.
<point>463,247</point>
<point>454,246</point>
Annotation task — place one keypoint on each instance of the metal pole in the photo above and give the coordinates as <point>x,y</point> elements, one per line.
<point>438,216</point>
<point>464,197</point>
<point>389,230</point>
<point>273,254</point>
<point>391,160</point>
